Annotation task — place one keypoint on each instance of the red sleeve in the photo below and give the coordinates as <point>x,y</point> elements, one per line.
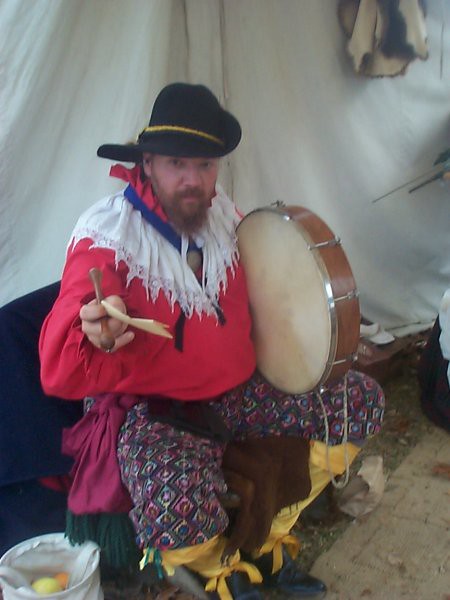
<point>70,365</point>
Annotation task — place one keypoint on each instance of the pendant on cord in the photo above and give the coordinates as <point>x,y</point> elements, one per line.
<point>194,259</point>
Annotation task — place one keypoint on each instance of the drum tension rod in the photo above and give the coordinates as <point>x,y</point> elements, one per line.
<point>349,296</point>
<point>350,358</point>
<point>336,241</point>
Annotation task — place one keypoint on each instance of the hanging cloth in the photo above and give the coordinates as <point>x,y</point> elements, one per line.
<point>383,37</point>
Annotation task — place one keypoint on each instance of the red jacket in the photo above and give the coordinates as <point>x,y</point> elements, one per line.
<point>215,357</point>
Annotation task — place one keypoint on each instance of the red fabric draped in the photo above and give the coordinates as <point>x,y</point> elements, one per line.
<point>92,442</point>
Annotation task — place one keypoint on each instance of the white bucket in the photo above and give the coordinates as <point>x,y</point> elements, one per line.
<point>45,556</point>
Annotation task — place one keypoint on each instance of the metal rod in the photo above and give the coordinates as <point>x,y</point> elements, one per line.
<point>349,296</point>
<point>437,176</point>
<point>400,187</point>
<point>334,242</point>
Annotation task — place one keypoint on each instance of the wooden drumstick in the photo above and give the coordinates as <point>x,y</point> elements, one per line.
<point>107,340</point>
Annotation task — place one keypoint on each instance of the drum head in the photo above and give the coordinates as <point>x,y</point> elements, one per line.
<point>289,301</point>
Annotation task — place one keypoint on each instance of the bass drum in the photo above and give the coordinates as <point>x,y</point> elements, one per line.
<point>303,298</point>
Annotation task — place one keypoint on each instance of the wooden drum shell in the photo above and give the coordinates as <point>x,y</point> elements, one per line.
<point>330,311</point>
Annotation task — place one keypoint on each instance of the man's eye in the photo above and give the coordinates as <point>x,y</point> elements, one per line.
<point>175,162</point>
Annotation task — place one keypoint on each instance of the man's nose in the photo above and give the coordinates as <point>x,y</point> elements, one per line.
<point>192,176</point>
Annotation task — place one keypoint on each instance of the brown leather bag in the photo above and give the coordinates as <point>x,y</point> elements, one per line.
<point>267,474</point>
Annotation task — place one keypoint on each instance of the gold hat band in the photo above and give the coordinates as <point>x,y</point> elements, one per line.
<point>162,128</point>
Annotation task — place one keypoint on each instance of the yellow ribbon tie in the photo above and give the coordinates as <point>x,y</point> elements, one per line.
<point>292,544</point>
<point>219,584</point>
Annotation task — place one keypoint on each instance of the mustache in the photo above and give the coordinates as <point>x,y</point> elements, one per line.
<point>191,192</point>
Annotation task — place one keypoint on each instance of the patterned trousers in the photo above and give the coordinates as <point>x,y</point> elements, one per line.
<point>174,477</point>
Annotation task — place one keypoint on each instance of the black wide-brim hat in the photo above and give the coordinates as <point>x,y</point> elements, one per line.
<point>187,121</point>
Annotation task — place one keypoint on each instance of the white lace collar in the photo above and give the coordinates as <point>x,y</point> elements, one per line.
<point>115,224</point>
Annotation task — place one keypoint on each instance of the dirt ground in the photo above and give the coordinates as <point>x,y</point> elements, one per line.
<point>404,426</point>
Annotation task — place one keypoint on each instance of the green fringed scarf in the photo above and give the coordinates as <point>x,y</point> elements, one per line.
<point>113,532</point>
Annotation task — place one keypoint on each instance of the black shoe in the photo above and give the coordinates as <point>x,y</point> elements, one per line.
<point>323,509</point>
<point>240,588</point>
<point>289,579</point>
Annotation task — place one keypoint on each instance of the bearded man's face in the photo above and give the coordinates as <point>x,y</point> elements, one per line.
<point>184,187</point>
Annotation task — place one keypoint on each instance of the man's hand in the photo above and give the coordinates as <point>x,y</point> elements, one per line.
<point>91,316</point>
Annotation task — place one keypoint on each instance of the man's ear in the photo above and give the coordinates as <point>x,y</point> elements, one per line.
<point>147,164</point>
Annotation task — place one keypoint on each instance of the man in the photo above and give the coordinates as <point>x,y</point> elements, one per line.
<point>30,426</point>
<point>434,368</point>
<point>168,408</point>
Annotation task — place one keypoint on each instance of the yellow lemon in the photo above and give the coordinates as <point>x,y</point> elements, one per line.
<point>46,585</point>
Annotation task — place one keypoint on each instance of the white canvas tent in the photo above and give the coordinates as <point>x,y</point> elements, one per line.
<point>79,73</point>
